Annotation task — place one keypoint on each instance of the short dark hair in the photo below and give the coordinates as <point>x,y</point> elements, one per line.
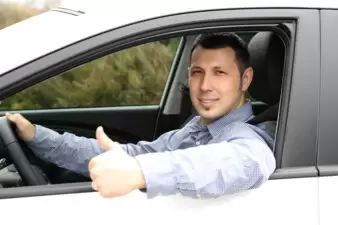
<point>223,40</point>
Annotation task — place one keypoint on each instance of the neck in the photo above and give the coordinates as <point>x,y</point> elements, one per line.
<point>241,102</point>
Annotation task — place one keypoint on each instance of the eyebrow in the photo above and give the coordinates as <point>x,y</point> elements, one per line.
<point>195,67</point>
<point>198,67</point>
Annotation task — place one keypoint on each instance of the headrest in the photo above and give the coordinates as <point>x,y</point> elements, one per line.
<point>267,53</point>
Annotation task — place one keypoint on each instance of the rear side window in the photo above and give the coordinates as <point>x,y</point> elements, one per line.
<point>131,77</point>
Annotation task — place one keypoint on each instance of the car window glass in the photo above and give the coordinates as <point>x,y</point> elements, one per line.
<point>131,77</point>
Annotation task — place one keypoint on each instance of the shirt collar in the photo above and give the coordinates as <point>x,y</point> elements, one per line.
<point>242,114</point>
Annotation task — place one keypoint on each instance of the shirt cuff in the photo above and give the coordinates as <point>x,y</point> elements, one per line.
<point>35,138</point>
<point>158,173</point>
<point>124,147</point>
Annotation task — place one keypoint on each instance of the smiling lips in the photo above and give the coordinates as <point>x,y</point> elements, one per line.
<point>207,102</point>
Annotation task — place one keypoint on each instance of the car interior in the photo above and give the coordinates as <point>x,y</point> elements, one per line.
<point>20,167</point>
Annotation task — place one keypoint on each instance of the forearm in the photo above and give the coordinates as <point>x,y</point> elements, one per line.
<point>161,144</point>
<point>208,171</point>
<point>65,150</point>
<point>141,147</point>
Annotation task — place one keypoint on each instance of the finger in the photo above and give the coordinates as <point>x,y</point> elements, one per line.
<point>91,164</point>
<point>11,117</point>
<point>93,177</point>
<point>16,118</point>
<point>95,186</point>
<point>94,173</point>
<point>105,142</point>
<point>7,114</point>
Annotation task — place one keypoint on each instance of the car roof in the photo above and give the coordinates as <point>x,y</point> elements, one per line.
<point>75,20</point>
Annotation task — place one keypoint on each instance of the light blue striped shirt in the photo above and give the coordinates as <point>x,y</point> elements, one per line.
<point>224,157</point>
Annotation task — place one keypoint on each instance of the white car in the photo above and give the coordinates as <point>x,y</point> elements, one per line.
<point>66,69</point>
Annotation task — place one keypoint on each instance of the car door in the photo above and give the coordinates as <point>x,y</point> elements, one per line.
<point>292,187</point>
<point>327,140</point>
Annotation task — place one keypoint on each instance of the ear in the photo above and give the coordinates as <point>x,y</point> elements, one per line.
<point>247,78</point>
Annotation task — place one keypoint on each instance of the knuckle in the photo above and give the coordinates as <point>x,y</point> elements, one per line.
<point>94,173</point>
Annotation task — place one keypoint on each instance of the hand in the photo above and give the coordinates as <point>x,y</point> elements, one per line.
<point>114,173</point>
<point>25,129</point>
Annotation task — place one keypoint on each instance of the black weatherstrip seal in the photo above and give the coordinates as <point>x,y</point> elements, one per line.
<point>45,190</point>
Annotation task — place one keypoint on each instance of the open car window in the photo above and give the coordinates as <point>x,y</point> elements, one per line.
<point>133,77</point>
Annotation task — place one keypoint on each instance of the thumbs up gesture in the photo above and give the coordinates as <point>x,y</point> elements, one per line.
<point>114,173</point>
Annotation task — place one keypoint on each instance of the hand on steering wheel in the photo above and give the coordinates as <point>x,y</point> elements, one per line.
<point>29,174</point>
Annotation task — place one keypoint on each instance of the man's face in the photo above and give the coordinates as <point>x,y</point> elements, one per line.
<point>215,82</point>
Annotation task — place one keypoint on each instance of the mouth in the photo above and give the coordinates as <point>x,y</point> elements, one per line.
<point>208,102</point>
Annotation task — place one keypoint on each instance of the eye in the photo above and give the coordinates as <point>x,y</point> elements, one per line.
<point>196,72</point>
<point>220,72</point>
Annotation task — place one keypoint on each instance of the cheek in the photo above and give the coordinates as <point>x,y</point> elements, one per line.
<point>227,85</point>
<point>193,86</point>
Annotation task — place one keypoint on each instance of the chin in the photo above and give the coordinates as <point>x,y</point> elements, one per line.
<point>209,116</point>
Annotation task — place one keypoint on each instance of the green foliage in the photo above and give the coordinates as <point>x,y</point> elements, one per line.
<point>136,76</point>
<point>13,13</point>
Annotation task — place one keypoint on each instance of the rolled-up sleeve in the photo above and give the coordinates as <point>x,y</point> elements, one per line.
<point>209,170</point>
<point>65,150</point>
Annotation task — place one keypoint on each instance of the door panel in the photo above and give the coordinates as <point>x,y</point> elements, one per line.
<point>328,187</point>
<point>125,124</point>
<point>278,202</point>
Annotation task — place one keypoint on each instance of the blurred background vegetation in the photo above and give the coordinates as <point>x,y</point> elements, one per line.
<point>136,76</point>
<point>11,13</point>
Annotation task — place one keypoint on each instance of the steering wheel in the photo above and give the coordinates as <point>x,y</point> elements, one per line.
<point>30,174</point>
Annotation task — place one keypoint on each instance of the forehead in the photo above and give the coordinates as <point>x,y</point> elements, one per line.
<point>224,55</point>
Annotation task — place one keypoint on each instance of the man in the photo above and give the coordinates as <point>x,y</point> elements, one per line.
<point>214,154</point>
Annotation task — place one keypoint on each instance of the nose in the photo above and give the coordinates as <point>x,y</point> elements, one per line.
<point>206,82</point>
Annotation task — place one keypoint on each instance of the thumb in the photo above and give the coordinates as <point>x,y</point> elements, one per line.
<point>105,142</point>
